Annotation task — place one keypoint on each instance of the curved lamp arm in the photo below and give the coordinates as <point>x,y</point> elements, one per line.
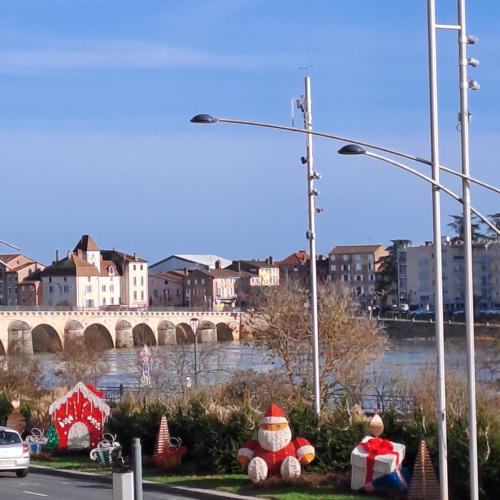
<point>206,118</point>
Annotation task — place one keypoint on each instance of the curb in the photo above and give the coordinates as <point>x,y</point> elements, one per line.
<point>147,485</point>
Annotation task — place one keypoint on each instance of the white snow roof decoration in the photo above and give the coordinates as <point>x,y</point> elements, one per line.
<point>82,388</point>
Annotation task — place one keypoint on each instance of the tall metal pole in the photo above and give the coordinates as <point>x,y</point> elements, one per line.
<point>467,230</point>
<point>137,467</point>
<point>195,358</point>
<point>311,235</point>
<point>438,274</point>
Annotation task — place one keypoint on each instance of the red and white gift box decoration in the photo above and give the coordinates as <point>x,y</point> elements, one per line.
<point>373,458</point>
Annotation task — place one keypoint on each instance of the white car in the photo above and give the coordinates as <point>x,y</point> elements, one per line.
<point>14,454</point>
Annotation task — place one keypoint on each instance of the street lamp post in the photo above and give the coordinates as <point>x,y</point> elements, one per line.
<point>194,326</point>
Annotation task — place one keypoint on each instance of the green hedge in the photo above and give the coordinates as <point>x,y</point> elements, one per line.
<point>213,436</point>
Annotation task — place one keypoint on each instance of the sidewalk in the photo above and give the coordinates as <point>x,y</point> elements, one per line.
<point>147,485</point>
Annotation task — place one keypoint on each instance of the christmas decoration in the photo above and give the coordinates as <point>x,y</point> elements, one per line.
<point>424,484</point>
<point>79,417</point>
<point>145,365</point>
<point>16,419</point>
<point>103,452</point>
<point>168,451</point>
<point>274,452</point>
<point>36,440</point>
<point>375,458</point>
<point>52,438</point>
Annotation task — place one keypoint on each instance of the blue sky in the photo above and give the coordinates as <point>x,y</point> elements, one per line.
<point>96,99</point>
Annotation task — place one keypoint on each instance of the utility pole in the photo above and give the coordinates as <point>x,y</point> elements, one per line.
<point>311,236</point>
<point>438,272</point>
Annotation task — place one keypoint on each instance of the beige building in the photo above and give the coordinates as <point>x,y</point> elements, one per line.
<point>356,266</point>
<point>416,275</point>
<point>14,269</point>
<point>93,278</point>
<point>166,289</point>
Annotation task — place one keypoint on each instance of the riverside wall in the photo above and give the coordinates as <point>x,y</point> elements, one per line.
<point>404,329</point>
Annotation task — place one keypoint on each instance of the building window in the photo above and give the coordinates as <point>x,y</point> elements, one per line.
<point>65,289</point>
<point>195,281</point>
<point>333,267</point>
<point>203,281</point>
<point>134,281</point>
<point>65,279</point>
<point>88,288</point>
<point>345,257</point>
<point>135,295</point>
<point>142,294</point>
<point>51,289</point>
<point>332,258</point>
<point>142,280</point>
<point>357,266</point>
<point>103,288</point>
<point>345,277</point>
<point>178,293</point>
<point>50,279</point>
<point>104,301</point>
<point>141,267</point>
<point>112,300</point>
<point>370,266</point>
<point>111,288</point>
<point>357,258</point>
<point>188,282</point>
<point>134,267</point>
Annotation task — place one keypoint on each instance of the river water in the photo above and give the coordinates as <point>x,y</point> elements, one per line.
<point>171,365</point>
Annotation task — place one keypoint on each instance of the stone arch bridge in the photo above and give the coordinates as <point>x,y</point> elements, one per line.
<point>31,332</point>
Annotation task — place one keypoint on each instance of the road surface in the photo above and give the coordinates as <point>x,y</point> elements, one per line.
<point>39,486</point>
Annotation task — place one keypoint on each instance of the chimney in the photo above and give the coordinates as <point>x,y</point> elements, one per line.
<point>57,255</point>
<point>135,256</point>
<point>185,271</point>
<point>217,264</point>
<point>68,254</point>
<point>239,266</point>
<point>270,260</point>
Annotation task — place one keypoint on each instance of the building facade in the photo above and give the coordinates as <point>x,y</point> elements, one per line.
<point>166,289</point>
<point>14,269</point>
<point>189,263</point>
<point>92,278</point>
<point>356,266</point>
<point>416,275</point>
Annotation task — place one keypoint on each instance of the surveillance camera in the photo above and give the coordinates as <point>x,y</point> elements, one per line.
<point>471,39</point>
<point>303,159</point>
<point>472,62</point>
<point>473,85</point>
<point>316,175</point>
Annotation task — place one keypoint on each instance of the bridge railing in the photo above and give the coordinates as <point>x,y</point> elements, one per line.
<point>20,308</point>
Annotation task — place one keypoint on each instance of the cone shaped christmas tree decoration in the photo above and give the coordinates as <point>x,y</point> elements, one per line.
<point>52,438</point>
<point>424,484</point>
<point>163,438</point>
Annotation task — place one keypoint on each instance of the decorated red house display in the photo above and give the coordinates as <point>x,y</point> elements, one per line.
<point>79,417</point>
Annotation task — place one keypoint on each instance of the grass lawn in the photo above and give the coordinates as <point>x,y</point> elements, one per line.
<point>233,483</point>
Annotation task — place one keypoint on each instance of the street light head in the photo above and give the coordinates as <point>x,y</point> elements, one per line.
<point>203,118</point>
<point>351,149</point>
<point>473,85</point>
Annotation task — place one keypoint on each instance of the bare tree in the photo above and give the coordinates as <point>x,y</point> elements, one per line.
<point>81,361</point>
<point>348,338</point>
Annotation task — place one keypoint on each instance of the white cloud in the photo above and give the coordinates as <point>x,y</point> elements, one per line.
<point>132,54</point>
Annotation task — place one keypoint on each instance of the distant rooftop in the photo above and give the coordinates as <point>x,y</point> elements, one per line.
<point>205,260</point>
<point>347,249</point>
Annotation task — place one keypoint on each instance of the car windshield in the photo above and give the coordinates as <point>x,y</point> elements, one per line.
<point>7,437</point>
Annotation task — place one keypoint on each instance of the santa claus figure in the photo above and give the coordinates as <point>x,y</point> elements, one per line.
<point>275,452</point>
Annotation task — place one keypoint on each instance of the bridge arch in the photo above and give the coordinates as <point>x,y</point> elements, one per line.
<point>166,333</point>
<point>73,329</point>
<point>45,339</point>
<point>124,336</point>
<point>143,335</point>
<point>207,332</point>
<point>224,332</point>
<point>19,340</point>
<point>97,336</point>
<point>184,334</point>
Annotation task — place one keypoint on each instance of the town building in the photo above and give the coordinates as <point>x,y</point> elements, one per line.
<point>91,278</point>
<point>296,268</point>
<point>14,269</point>
<point>416,275</point>
<point>213,289</point>
<point>265,272</point>
<point>357,267</point>
<point>166,289</point>
<point>188,262</point>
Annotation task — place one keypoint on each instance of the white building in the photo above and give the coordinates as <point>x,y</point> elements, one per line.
<point>416,275</point>
<point>189,262</point>
<point>89,277</point>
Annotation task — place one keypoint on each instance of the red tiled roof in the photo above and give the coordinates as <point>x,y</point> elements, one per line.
<point>86,244</point>
<point>300,257</point>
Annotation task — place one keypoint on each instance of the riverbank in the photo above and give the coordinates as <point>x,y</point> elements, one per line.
<point>407,329</point>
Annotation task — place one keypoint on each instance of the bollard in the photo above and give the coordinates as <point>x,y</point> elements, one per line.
<point>137,457</point>
<point>123,486</point>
